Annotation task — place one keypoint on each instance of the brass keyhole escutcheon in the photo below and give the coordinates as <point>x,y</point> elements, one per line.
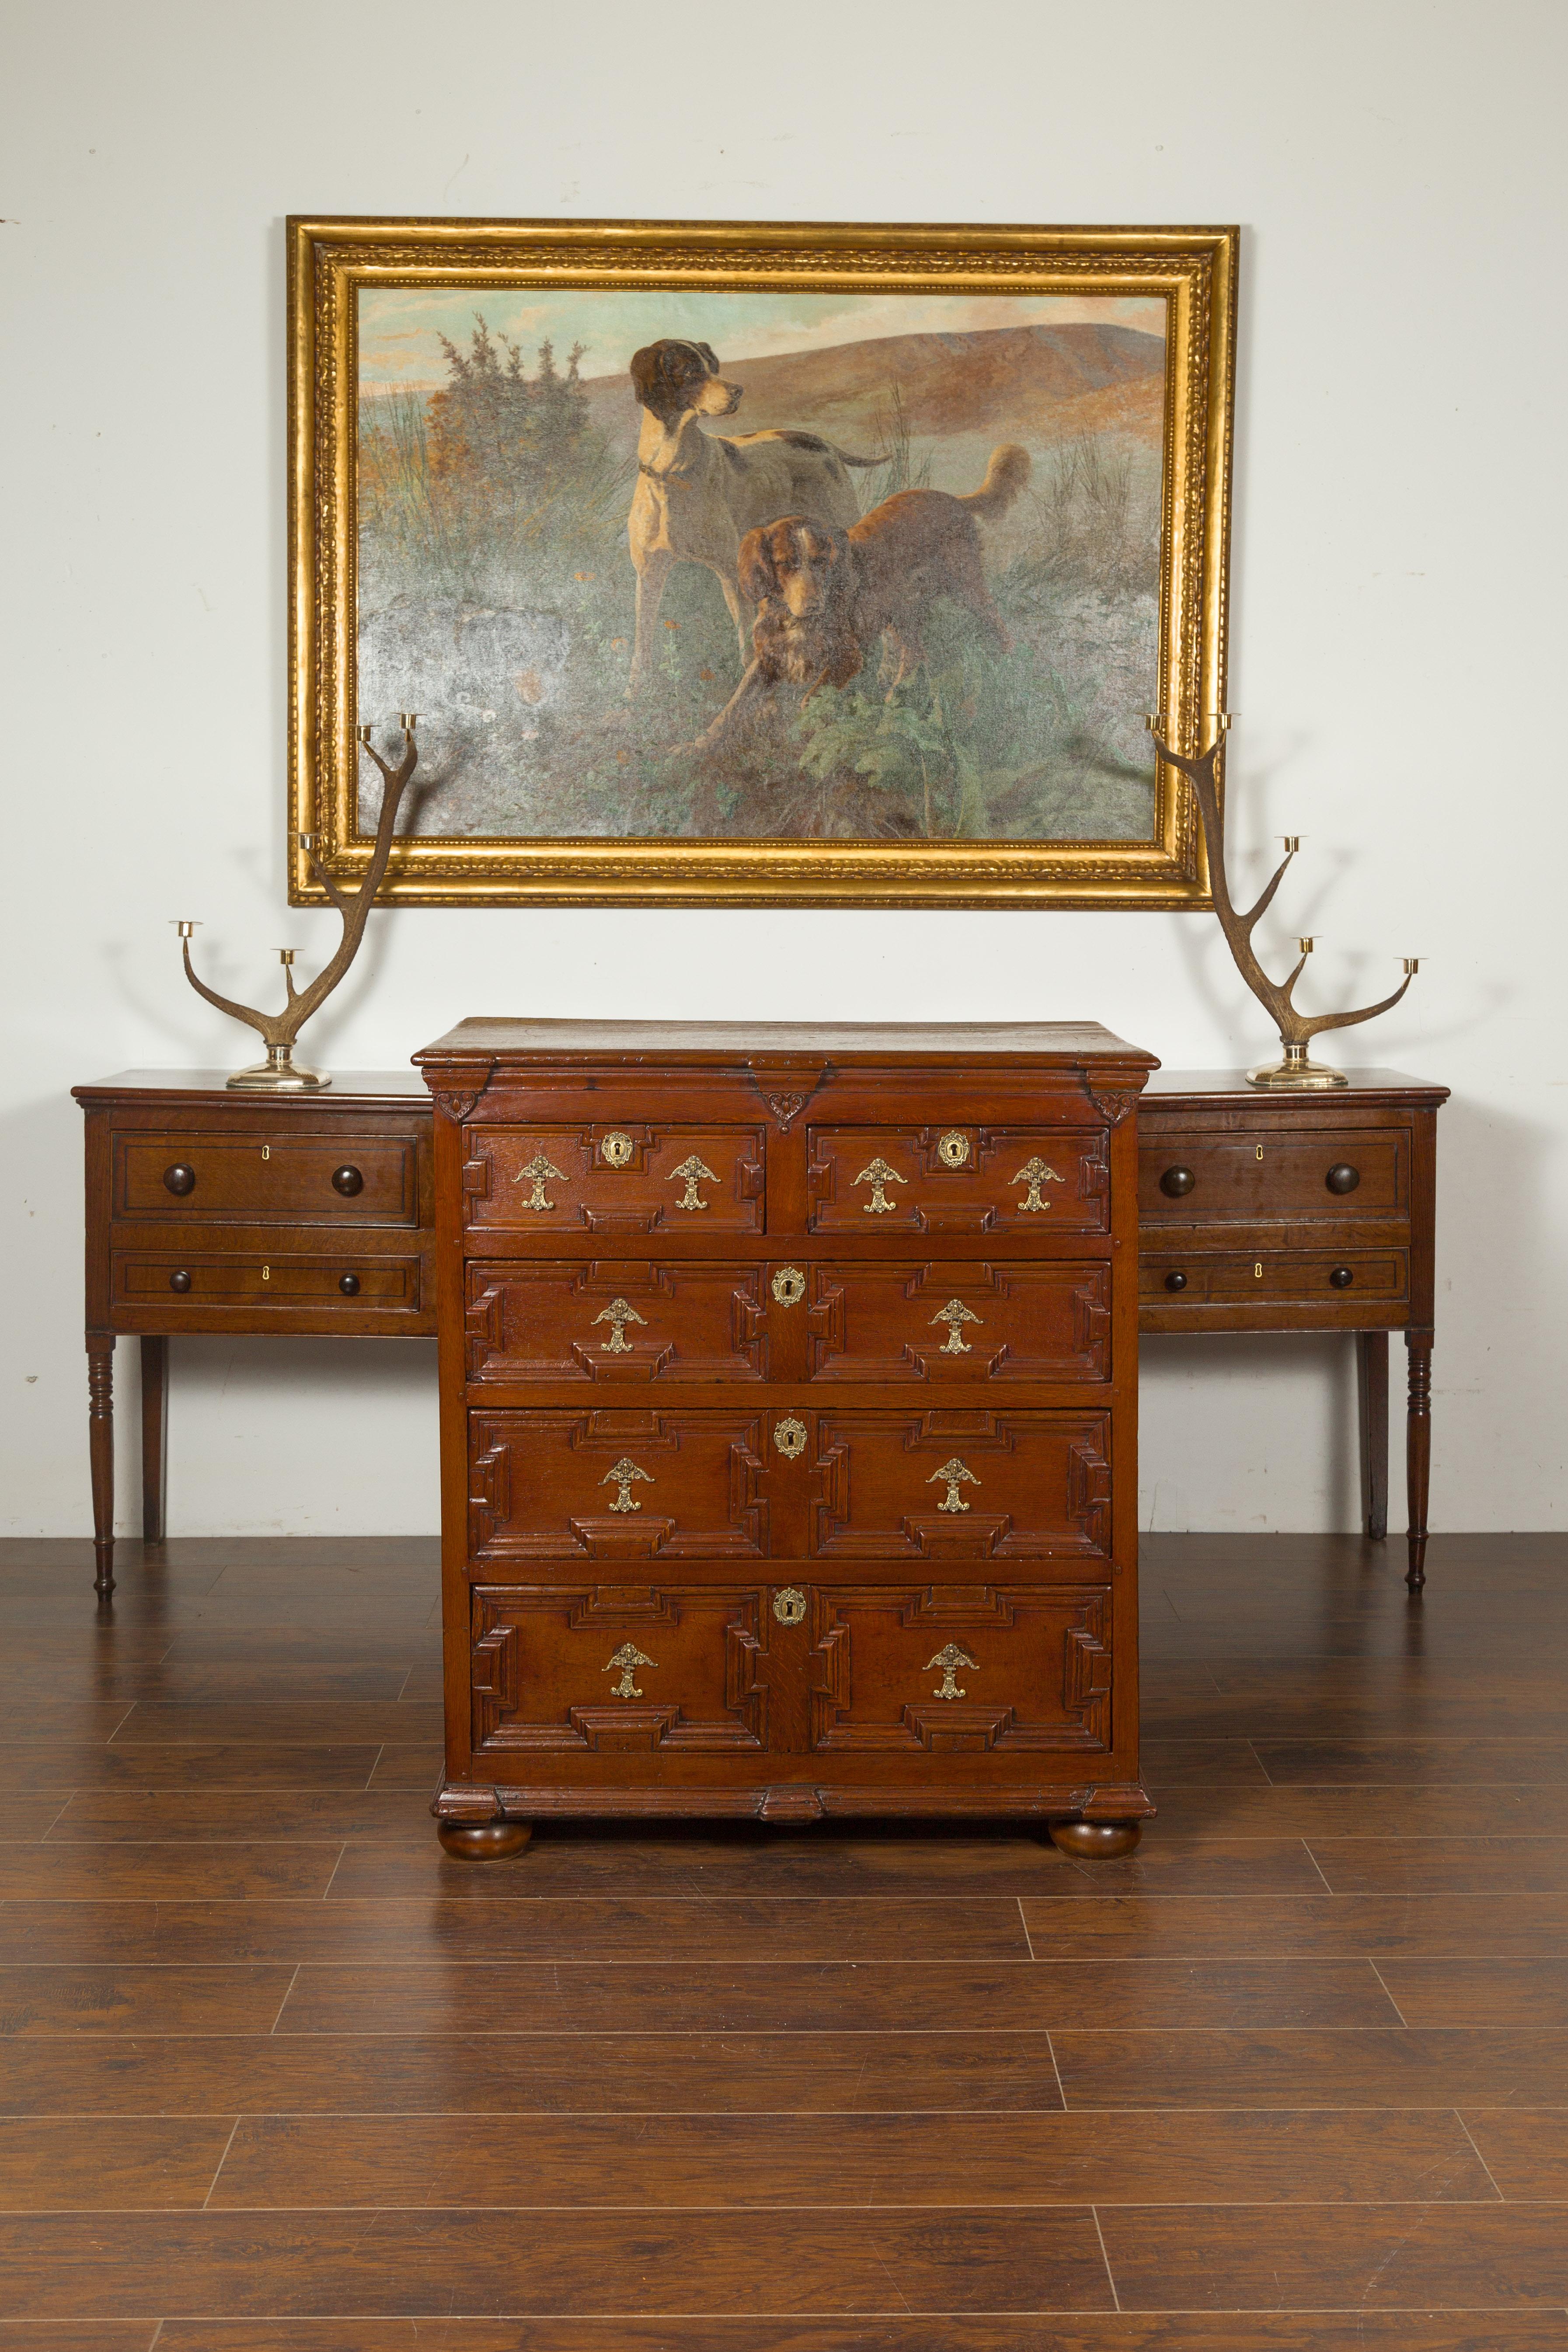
<point>952,1149</point>
<point>1257,1270</point>
<point>267,1152</point>
<point>1260,1151</point>
<point>616,1150</point>
<point>788,1286</point>
<point>789,1604</point>
<point>789,1436</point>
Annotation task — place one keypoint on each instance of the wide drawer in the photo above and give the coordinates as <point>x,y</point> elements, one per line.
<point>340,1179</point>
<point>946,1670</point>
<point>858,1484</point>
<point>1292,1277</point>
<point>537,1182</point>
<point>1194,1177</point>
<point>957,1179</point>
<point>618,1322</point>
<point>345,1281</point>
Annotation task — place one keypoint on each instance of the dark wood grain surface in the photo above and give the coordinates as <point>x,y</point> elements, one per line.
<point>279,2077</point>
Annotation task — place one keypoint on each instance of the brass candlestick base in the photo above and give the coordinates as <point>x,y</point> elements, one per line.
<point>1298,1070</point>
<point>279,1074</point>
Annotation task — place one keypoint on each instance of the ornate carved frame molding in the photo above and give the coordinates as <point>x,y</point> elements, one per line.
<point>1193,270</point>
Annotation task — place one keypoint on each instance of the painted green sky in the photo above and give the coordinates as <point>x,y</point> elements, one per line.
<point>399,326</point>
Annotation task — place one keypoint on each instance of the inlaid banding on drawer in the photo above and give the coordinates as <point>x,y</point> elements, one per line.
<point>961,1669</point>
<point>615,1486</point>
<point>961,1485</point>
<point>612,1322</point>
<point>1202,1277</point>
<point>199,1278</point>
<point>1016,1180</point>
<point>1036,1319</point>
<point>340,1179</point>
<point>618,1670</point>
<point>623,1177</point>
<point>1282,1175</point>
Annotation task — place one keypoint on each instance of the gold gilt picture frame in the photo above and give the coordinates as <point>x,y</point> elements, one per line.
<point>756,564</point>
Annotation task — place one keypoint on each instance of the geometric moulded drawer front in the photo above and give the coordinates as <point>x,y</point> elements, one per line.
<point>609,1322</point>
<point>1040,1320</point>
<point>960,1670</point>
<point>628,1672</point>
<point>539,1182</point>
<point>873,1180</point>
<point>615,1486</point>
<point>961,1485</point>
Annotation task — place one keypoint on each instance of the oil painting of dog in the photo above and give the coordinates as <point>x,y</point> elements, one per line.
<point>743,565</point>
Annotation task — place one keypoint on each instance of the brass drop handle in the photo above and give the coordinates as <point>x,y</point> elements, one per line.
<point>1341,1177</point>
<point>1177,1182</point>
<point>348,1181</point>
<point>179,1180</point>
<point>1175,1279</point>
<point>180,1280</point>
<point>348,1284</point>
<point>1341,1276</point>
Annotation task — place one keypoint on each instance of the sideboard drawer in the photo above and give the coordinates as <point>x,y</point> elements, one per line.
<point>611,1322</point>
<point>1284,1175</point>
<point>871,1181</point>
<point>1285,1278</point>
<point>532,1183</point>
<point>1037,1319</point>
<point>961,1669</point>
<point>340,1179</point>
<point>612,1486</point>
<point>585,1669</point>
<point>345,1283</point>
<point>950,1485</point>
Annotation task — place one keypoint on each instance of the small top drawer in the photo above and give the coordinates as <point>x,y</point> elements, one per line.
<point>310,1179</point>
<point>627,1178</point>
<point>958,1179</point>
<point>1284,1174</point>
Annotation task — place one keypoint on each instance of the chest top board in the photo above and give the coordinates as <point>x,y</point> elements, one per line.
<point>788,1424</point>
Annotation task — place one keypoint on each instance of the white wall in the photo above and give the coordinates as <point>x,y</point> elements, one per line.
<point>1397,607</point>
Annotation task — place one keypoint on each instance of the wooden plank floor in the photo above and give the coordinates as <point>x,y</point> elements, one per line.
<point>278,2077</point>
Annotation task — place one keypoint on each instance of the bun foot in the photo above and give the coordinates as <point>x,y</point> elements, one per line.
<point>1095,1841</point>
<point>482,1840</point>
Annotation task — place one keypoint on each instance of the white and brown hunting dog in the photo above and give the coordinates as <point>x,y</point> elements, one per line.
<point>697,493</point>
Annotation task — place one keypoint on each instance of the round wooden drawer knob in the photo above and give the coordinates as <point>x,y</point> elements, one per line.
<point>1342,1177</point>
<point>1175,1279</point>
<point>348,1284</point>
<point>1342,1278</point>
<point>180,1280</point>
<point>348,1181</point>
<point>179,1180</point>
<point>1177,1182</point>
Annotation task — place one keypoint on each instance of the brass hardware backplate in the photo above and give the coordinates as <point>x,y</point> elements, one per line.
<point>537,1172</point>
<point>788,1286</point>
<point>616,1150</point>
<point>625,1662</point>
<point>617,1315</point>
<point>621,1474</point>
<point>1033,1173</point>
<point>877,1173</point>
<point>789,1436</point>
<point>789,1604</point>
<point>692,1172</point>
<point>952,1149</point>
<point>950,1657</point>
<point>956,1315</point>
<point>953,1474</point>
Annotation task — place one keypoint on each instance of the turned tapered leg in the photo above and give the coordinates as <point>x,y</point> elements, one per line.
<point>155,1436</point>
<point>101,1447</point>
<point>1372,1384</point>
<point>1418,1449</point>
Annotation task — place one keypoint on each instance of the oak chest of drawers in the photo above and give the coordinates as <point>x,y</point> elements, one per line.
<point>788,1424</point>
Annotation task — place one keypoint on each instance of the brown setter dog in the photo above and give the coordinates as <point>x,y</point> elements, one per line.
<point>827,599</point>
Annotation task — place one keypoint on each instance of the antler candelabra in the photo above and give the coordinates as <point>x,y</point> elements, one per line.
<point>279,1071</point>
<point>1297,1030</point>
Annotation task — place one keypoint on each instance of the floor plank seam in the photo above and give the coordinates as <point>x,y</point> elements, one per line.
<point>223,2159</point>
